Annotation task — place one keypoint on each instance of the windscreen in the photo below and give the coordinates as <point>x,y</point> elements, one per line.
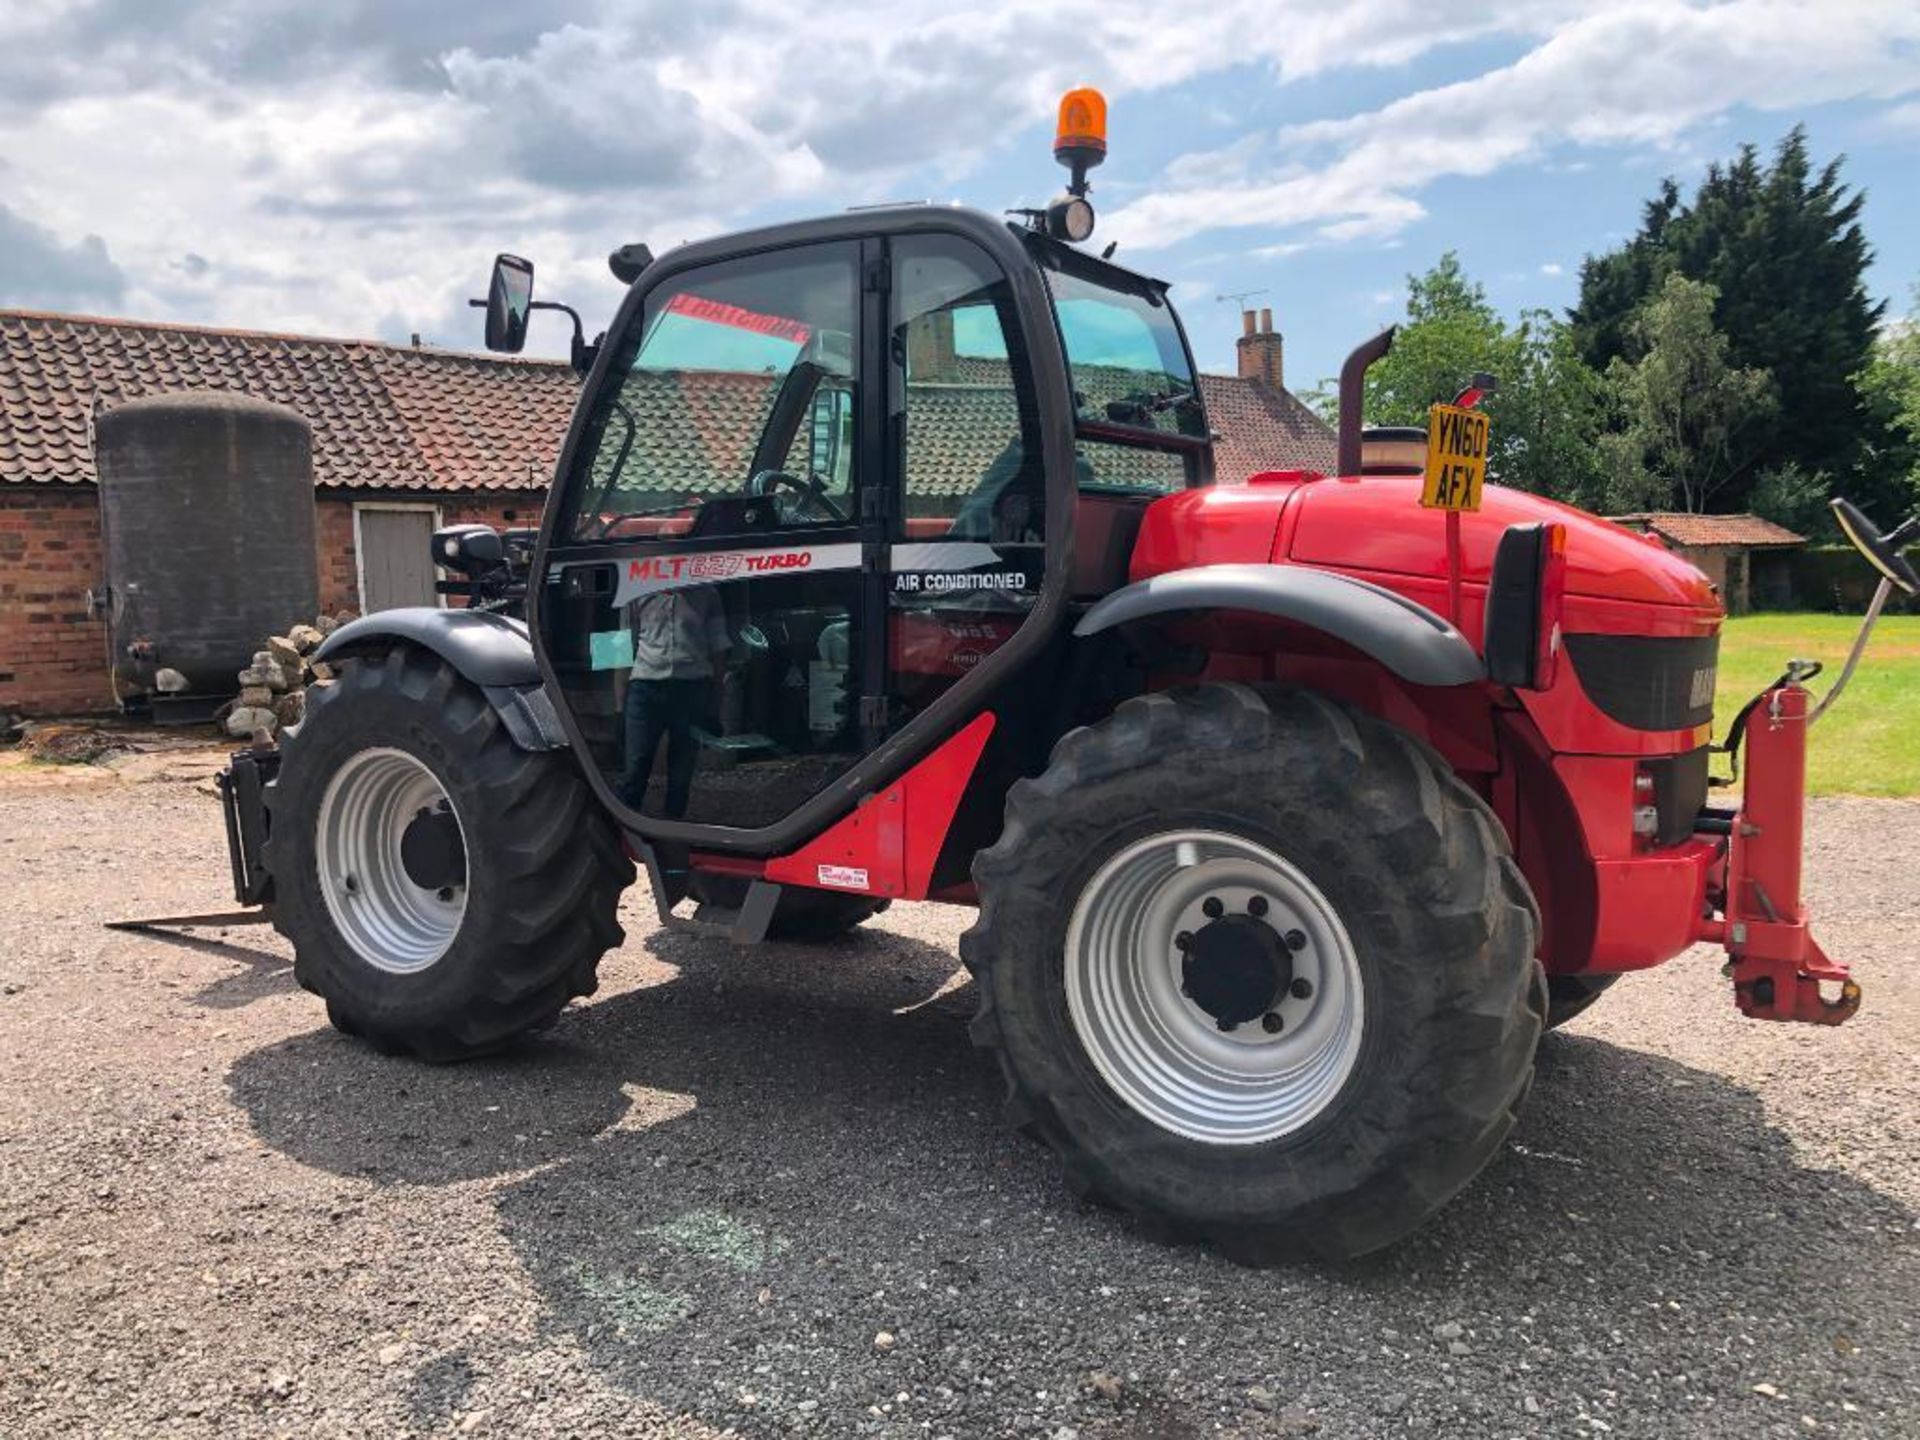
<point>1128,359</point>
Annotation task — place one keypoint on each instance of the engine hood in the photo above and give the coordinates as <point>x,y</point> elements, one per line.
<point>1375,523</point>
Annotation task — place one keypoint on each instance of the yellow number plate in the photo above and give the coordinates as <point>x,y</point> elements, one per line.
<point>1456,458</point>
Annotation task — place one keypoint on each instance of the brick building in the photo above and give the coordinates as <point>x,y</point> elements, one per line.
<point>1745,556</point>
<point>404,439</point>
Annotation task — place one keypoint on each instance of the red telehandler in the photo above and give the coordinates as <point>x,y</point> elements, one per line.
<point>883,562</point>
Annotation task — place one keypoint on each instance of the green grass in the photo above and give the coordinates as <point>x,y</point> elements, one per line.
<point>1869,743</point>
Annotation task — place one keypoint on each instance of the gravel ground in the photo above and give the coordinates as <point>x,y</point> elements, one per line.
<point>767,1192</point>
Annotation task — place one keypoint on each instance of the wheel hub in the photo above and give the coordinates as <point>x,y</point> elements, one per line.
<point>431,850</point>
<point>1213,986</point>
<point>1235,968</point>
<point>391,860</point>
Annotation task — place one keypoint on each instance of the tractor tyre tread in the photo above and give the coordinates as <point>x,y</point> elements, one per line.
<point>1432,1098</point>
<point>551,859</point>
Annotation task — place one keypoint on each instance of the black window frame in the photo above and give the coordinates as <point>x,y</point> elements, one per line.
<point>894,754</point>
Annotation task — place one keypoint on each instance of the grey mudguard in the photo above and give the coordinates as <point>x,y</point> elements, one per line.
<point>1407,638</point>
<point>491,651</point>
<point>488,649</point>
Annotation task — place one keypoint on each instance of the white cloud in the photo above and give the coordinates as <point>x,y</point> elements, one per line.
<point>1553,267</point>
<point>1636,74</point>
<point>347,167</point>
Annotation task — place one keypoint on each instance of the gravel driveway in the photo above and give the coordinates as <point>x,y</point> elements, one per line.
<point>768,1192</point>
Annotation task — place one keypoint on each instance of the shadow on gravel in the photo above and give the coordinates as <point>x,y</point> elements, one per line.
<point>843,1172</point>
<point>263,973</point>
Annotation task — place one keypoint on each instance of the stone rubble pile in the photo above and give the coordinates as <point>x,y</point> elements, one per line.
<point>273,688</point>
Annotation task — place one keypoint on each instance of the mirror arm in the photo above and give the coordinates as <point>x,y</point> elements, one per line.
<point>582,355</point>
<point>1853,656</point>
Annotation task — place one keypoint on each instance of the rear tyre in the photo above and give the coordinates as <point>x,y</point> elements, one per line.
<point>445,891</point>
<point>1569,995</point>
<point>1148,916</point>
<point>814,916</point>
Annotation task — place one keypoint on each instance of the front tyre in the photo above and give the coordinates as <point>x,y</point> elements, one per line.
<point>444,890</point>
<point>1259,968</point>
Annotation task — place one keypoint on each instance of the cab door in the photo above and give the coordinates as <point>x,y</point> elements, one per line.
<point>707,595</point>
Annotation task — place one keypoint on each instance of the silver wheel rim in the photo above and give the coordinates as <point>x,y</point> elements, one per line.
<point>1172,1061</point>
<point>392,923</point>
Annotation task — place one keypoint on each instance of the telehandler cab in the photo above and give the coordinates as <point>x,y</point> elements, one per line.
<point>882,562</point>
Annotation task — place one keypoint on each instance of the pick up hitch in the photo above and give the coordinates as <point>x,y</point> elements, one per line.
<point>1777,966</point>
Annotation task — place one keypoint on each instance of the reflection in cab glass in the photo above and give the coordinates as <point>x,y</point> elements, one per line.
<point>703,617</point>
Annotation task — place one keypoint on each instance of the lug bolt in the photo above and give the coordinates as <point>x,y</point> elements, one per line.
<point>1301,988</point>
<point>1296,939</point>
<point>1271,1022</point>
<point>1183,940</point>
<point>445,892</point>
<point>1257,906</point>
<point>1212,907</point>
<point>1227,1025</point>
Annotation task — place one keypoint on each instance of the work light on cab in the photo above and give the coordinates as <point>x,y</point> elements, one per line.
<point>1079,143</point>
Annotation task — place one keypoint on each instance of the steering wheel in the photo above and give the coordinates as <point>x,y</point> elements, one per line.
<point>807,491</point>
<point>1882,551</point>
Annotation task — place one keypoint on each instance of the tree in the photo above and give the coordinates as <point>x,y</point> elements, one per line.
<point>1688,421</point>
<point>1890,388</point>
<point>1449,333</point>
<point>1782,246</point>
<point>1548,414</point>
<point>1548,408</point>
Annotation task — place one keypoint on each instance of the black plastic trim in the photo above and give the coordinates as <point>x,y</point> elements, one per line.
<point>492,651</point>
<point>1648,682</point>
<point>487,649</point>
<point>1511,640</point>
<point>1407,638</point>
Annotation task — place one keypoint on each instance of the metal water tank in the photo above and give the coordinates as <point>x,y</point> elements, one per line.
<point>206,509</point>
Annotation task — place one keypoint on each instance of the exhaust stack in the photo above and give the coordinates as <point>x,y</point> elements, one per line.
<point>1353,389</point>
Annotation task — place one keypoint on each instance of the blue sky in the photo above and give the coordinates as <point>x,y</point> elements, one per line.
<point>348,169</point>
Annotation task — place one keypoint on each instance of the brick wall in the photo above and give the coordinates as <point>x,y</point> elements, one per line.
<point>333,533</point>
<point>53,656</point>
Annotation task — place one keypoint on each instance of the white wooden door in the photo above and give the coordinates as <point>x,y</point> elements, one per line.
<point>396,565</point>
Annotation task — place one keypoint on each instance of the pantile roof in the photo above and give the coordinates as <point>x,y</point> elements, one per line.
<point>384,417</point>
<point>394,418</point>
<point>1681,528</point>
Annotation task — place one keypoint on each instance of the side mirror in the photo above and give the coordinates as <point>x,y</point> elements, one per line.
<point>509,302</point>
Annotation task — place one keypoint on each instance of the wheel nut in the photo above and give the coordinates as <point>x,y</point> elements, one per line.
<point>1226,1025</point>
<point>445,892</point>
<point>1183,940</point>
<point>1213,908</point>
<point>1271,1022</point>
<point>1300,989</point>
<point>1257,906</point>
<point>1296,939</point>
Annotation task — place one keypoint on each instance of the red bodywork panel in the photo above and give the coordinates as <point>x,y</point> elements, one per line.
<point>888,846</point>
<point>1559,773</point>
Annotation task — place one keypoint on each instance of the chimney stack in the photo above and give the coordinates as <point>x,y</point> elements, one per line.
<point>1261,349</point>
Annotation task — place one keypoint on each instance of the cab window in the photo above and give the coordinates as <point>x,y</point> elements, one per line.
<point>734,409</point>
